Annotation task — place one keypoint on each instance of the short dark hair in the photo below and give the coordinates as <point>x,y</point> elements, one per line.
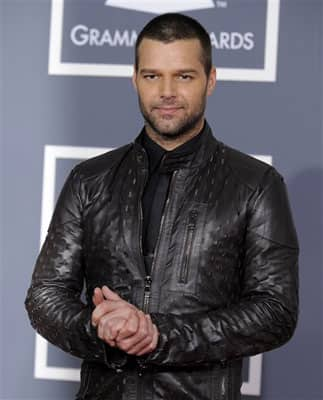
<point>169,27</point>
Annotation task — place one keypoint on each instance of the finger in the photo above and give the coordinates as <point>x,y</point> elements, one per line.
<point>102,331</point>
<point>141,345</point>
<point>131,326</point>
<point>152,346</point>
<point>112,323</point>
<point>97,296</point>
<point>150,323</point>
<point>103,335</point>
<point>103,308</point>
<point>109,294</point>
<point>108,306</point>
<point>109,328</point>
<point>100,310</point>
<point>141,333</point>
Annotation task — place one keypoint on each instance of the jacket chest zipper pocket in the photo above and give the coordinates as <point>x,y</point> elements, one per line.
<point>188,244</point>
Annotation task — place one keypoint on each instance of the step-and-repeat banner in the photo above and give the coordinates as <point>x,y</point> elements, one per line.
<point>66,83</point>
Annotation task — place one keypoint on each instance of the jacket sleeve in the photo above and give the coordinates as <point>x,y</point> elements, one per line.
<point>265,315</point>
<point>53,300</point>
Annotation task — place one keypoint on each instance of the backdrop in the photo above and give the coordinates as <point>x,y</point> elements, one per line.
<point>65,95</point>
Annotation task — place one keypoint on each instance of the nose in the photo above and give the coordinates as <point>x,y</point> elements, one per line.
<point>167,88</point>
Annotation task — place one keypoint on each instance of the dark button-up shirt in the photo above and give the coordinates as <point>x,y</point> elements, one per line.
<point>162,164</point>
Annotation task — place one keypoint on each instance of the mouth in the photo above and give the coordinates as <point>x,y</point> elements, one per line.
<point>168,110</point>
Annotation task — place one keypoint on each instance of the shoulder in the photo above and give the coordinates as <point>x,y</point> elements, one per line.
<point>248,170</point>
<point>101,164</point>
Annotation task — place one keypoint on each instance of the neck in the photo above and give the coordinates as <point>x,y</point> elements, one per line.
<point>171,143</point>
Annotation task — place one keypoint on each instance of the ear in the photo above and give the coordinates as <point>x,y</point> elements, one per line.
<point>211,81</point>
<point>134,78</point>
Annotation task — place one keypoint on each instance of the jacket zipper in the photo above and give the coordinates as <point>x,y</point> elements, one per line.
<point>145,304</point>
<point>147,293</point>
<point>148,279</point>
<point>141,221</point>
<point>188,246</point>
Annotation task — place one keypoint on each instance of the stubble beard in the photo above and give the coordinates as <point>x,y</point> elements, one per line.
<point>172,131</point>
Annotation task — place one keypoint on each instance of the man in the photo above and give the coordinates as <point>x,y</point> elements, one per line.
<point>186,246</point>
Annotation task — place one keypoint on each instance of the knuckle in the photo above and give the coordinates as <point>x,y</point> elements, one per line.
<point>113,331</point>
<point>103,325</point>
<point>151,347</point>
<point>129,311</point>
<point>121,345</point>
<point>103,306</point>
<point>106,336</point>
<point>147,339</point>
<point>132,329</point>
<point>131,351</point>
<point>124,346</point>
<point>100,324</point>
<point>142,332</point>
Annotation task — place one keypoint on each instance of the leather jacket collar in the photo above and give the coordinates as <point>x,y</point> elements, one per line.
<point>184,159</point>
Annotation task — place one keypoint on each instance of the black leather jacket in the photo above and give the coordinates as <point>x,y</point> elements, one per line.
<point>223,282</point>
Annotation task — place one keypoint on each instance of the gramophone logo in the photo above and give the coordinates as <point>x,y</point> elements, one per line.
<point>161,6</point>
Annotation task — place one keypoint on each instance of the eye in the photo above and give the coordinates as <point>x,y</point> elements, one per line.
<point>185,77</point>
<point>150,77</point>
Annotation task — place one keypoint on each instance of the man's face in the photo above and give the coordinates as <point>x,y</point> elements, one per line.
<point>172,87</point>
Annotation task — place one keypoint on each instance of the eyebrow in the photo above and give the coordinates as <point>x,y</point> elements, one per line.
<point>180,71</point>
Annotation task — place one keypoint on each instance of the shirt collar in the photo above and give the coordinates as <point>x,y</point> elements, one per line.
<point>172,159</point>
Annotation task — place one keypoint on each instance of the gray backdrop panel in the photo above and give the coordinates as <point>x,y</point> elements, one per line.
<point>282,118</point>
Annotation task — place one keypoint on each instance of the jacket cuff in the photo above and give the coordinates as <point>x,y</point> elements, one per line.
<point>114,358</point>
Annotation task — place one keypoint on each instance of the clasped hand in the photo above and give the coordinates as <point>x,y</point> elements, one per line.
<point>121,324</point>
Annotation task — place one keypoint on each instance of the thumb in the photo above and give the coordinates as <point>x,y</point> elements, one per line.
<point>97,296</point>
<point>109,294</point>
